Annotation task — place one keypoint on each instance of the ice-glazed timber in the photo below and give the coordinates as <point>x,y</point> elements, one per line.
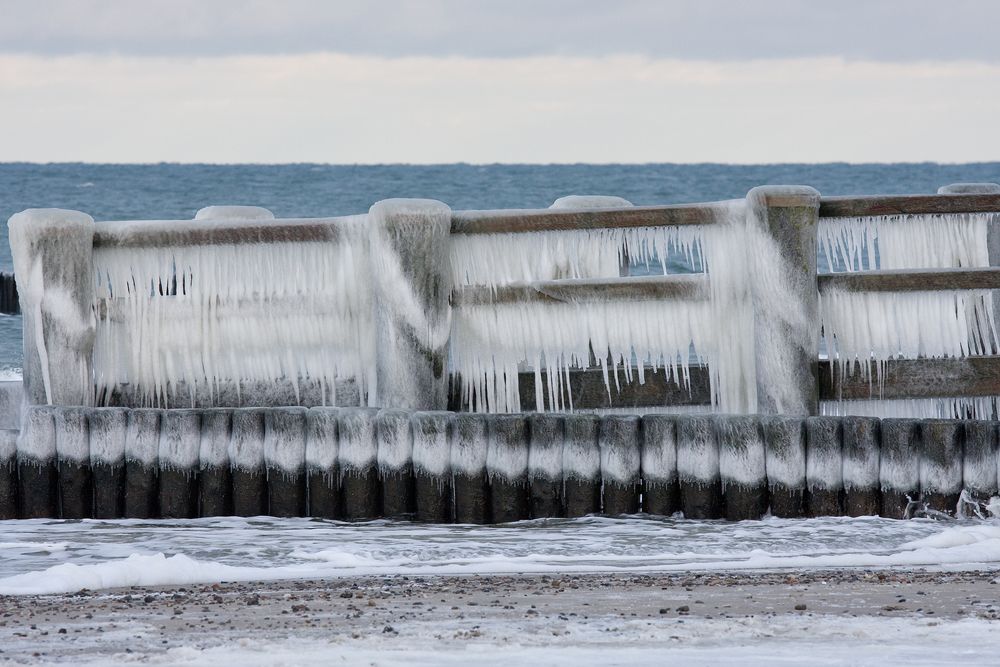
<point>474,468</point>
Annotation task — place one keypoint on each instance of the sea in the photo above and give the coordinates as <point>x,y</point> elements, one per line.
<point>177,191</point>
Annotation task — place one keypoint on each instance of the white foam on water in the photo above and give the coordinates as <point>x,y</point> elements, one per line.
<point>107,554</point>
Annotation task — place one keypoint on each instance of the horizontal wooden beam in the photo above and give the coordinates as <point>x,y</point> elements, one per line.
<point>916,378</point>
<point>547,220</point>
<point>912,280</point>
<point>853,207</point>
<point>163,233</point>
<point>589,393</point>
<point>644,288</point>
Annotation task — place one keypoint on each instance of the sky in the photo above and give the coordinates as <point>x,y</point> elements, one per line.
<point>432,81</point>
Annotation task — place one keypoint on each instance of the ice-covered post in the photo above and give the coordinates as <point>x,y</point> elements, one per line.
<point>409,241</point>
<point>781,227</point>
<point>52,251</point>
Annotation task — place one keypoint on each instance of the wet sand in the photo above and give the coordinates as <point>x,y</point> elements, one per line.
<point>148,623</point>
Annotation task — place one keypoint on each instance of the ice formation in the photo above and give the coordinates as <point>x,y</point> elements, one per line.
<point>181,319</point>
<point>985,407</point>
<point>492,342</point>
<point>862,331</point>
<point>233,213</point>
<point>905,241</point>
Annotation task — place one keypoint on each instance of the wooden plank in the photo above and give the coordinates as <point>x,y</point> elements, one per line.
<point>589,393</point>
<point>681,286</point>
<point>916,378</point>
<point>850,206</point>
<point>546,220</point>
<point>912,280</point>
<point>158,233</point>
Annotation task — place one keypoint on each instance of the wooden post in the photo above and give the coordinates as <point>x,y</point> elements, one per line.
<point>660,493</point>
<point>8,474</point>
<point>861,466</point>
<point>469,447</point>
<point>785,460</point>
<point>781,225</point>
<point>545,452</point>
<point>36,464</point>
<point>142,445</point>
<point>76,491</point>
<point>742,462</point>
<point>899,466</point>
<point>941,463</point>
<point>179,455</point>
<point>507,467</point>
<point>322,453</point>
<point>357,458</point>
<point>215,478</point>
<point>246,460</point>
<point>979,459</point>
<point>108,433</point>
<point>582,465</point>
<point>619,442</point>
<point>432,466</point>
<point>698,467</point>
<point>53,264</point>
<point>395,463</point>
<point>285,459</point>
<point>409,240</point>
<point>824,466</point>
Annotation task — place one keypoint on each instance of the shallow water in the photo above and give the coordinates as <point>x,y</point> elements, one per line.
<point>60,556</point>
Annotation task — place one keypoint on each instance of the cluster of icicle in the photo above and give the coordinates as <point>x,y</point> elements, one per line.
<point>863,330</point>
<point>625,339</point>
<point>238,312</point>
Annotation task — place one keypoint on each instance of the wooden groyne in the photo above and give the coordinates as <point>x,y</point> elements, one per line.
<point>360,463</point>
<point>214,346</point>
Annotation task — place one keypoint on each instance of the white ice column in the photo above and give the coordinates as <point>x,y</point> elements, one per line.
<point>53,265</point>
<point>411,277</point>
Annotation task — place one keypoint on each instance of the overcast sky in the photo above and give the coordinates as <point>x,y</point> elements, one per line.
<point>502,81</point>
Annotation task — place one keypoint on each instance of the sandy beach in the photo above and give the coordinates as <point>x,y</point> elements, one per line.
<point>588,619</point>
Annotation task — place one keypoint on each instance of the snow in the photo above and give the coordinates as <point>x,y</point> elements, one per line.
<point>104,554</point>
<point>603,640</point>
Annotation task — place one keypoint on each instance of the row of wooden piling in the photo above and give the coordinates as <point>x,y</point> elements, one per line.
<point>360,463</point>
<point>9,304</point>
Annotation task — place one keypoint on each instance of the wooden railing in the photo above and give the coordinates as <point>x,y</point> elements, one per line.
<point>793,215</point>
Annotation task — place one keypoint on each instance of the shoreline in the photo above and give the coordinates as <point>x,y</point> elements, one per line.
<point>398,615</point>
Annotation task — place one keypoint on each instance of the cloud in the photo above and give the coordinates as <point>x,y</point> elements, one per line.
<point>342,108</point>
<point>883,30</point>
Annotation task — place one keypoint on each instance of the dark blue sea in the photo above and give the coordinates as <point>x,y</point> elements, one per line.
<point>176,191</point>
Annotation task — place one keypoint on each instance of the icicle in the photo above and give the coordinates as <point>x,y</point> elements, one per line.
<point>905,241</point>
<point>209,315</point>
<point>491,343</point>
<point>920,408</point>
